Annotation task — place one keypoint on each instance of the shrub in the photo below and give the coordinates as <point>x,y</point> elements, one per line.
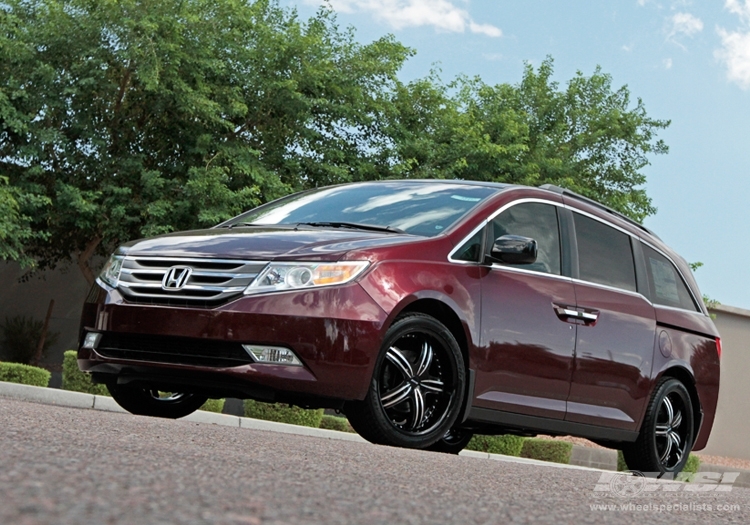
<point>21,336</point>
<point>283,413</point>
<point>77,381</point>
<point>508,445</point>
<point>692,465</point>
<point>24,374</point>
<point>213,405</point>
<point>547,450</point>
<point>336,423</point>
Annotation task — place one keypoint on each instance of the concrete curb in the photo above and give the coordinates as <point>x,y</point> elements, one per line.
<point>581,457</point>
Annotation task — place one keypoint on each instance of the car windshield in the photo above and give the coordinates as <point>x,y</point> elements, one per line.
<point>419,208</point>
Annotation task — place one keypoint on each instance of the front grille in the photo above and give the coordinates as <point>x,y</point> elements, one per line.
<point>211,282</point>
<point>176,350</point>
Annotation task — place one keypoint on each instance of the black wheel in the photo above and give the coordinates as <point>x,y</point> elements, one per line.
<point>155,403</point>
<point>666,436</point>
<point>453,442</point>
<point>417,387</point>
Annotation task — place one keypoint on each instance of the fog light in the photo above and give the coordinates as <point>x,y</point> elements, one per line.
<point>272,355</point>
<point>91,340</point>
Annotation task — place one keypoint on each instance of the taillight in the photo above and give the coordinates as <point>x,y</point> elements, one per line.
<point>718,346</point>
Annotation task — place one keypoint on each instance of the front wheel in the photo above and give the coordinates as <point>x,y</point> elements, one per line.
<point>417,387</point>
<point>666,436</point>
<point>453,442</point>
<point>155,403</point>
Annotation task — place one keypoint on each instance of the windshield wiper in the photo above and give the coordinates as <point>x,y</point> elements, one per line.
<point>352,225</point>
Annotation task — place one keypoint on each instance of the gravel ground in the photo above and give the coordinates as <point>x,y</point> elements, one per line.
<point>68,466</point>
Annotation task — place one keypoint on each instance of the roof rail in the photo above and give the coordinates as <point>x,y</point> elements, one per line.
<point>566,192</point>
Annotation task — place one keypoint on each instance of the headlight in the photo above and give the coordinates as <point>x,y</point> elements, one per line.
<point>111,271</point>
<point>297,275</point>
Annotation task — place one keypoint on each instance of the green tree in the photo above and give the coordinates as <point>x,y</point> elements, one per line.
<point>587,137</point>
<point>135,118</point>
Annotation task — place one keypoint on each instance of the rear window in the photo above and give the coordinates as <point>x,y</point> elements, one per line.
<point>416,208</point>
<point>667,286</point>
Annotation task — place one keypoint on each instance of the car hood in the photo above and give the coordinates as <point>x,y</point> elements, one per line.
<point>266,243</point>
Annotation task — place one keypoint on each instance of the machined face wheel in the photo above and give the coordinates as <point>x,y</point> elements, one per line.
<point>670,432</point>
<point>415,389</point>
<point>666,434</point>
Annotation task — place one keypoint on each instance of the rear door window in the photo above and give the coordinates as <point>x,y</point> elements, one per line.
<point>605,255</point>
<point>667,286</point>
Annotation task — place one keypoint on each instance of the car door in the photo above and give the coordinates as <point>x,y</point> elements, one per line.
<point>525,357</point>
<point>615,340</point>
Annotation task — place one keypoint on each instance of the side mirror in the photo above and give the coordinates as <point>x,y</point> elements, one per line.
<point>514,249</point>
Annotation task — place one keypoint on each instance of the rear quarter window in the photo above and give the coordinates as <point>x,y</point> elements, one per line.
<point>667,286</point>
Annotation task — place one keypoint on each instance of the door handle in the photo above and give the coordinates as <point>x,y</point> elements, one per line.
<point>576,314</point>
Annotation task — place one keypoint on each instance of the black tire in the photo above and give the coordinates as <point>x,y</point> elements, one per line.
<point>453,442</point>
<point>666,436</point>
<point>417,387</point>
<point>150,402</point>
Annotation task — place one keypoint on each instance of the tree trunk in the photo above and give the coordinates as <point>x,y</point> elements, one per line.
<point>43,336</point>
<point>85,256</point>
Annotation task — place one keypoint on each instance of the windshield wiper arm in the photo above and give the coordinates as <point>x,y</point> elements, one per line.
<point>352,225</point>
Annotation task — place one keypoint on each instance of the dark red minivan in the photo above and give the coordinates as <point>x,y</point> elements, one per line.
<point>425,310</point>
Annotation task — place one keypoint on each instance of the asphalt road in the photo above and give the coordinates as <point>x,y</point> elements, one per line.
<point>71,466</point>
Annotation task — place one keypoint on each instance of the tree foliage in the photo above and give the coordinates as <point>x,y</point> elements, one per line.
<point>135,118</point>
<point>585,137</point>
<point>124,119</point>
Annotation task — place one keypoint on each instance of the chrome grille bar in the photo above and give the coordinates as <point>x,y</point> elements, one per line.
<point>210,282</point>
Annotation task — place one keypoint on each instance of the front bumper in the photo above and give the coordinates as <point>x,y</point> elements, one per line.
<point>336,333</point>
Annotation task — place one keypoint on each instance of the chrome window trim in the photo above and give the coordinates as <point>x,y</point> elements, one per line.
<point>530,272</point>
<point>489,219</point>
<point>613,289</point>
<point>657,305</point>
<point>582,281</point>
<point>573,209</point>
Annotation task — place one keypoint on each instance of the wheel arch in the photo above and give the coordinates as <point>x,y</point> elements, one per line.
<point>446,315</point>
<point>450,319</point>
<point>684,376</point>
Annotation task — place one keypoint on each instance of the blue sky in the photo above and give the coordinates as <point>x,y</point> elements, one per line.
<point>688,60</point>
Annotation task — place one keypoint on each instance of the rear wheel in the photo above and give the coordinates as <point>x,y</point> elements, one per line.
<point>155,403</point>
<point>417,386</point>
<point>666,436</point>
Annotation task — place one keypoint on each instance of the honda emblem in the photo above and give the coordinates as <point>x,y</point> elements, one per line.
<point>176,277</point>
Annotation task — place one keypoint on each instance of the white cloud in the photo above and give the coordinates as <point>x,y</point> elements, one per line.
<point>443,15</point>
<point>667,63</point>
<point>686,24</point>
<point>738,8</point>
<point>735,50</point>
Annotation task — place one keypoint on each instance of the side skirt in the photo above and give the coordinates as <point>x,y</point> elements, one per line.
<point>534,424</point>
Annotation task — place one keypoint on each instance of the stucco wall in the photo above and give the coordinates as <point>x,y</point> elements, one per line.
<point>731,431</point>
<point>66,286</point>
